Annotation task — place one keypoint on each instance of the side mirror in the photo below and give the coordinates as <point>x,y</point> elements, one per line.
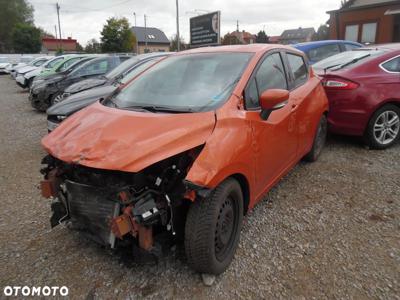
<point>271,100</point>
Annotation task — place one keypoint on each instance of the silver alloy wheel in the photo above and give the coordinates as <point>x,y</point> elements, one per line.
<point>386,127</point>
<point>58,99</point>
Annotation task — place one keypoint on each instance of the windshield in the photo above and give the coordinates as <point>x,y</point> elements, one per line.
<point>39,62</point>
<point>52,62</point>
<point>67,63</point>
<point>122,68</point>
<point>186,82</point>
<point>77,64</point>
<point>132,73</point>
<point>346,58</point>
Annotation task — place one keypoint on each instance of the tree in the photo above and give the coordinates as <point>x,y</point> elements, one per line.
<point>12,13</point>
<point>322,33</point>
<point>79,47</point>
<point>26,38</point>
<point>93,46</point>
<point>116,36</point>
<point>230,39</point>
<point>174,43</point>
<point>262,37</point>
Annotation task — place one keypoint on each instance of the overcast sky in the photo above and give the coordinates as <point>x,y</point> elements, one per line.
<point>84,19</point>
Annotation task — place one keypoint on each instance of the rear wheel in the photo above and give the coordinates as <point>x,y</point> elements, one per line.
<point>383,128</point>
<point>213,227</point>
<point>319,140</point>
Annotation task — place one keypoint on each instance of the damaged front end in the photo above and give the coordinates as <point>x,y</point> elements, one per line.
<point>112,206</point>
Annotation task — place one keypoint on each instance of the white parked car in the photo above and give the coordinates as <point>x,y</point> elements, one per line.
<point>37,67</point>
<point>23,61</point>
<point>4,63</point>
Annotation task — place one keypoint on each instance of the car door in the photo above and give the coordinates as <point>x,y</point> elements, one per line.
<point>274,143</point>
<point>301,92</point>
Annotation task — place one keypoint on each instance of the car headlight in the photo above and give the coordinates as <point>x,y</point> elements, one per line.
<point>61,118</point>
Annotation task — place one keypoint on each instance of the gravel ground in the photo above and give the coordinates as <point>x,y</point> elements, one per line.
<point>329,230</point>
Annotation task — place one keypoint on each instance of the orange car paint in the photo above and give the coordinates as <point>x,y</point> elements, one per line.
<point>236,141</point>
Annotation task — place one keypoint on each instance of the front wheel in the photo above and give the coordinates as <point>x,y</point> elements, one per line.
<point>213,227</point>
<point>319,140</point>
<point>383,128</point>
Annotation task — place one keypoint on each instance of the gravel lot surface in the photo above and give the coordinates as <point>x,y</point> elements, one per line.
<point>329,230</point>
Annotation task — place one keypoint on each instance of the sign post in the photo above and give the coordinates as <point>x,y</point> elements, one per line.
<point>205,30</point>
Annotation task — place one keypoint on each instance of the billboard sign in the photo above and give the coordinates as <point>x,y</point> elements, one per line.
<point>205,30</point>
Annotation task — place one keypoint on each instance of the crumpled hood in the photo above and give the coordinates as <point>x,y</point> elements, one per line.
<point>33,73</point>
<point>114,139</point>
<point>85,85</point>
<point>80,100</point>
<point>4,65</point>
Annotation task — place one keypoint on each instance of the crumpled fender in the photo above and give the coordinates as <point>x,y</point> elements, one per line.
<point>114,139</point>
<point>228,151</point>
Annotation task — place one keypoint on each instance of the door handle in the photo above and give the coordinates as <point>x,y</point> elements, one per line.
<point>294,106</point>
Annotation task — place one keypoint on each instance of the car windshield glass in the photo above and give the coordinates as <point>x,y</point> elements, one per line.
<point>346,58</point>
<point>76,64</point>
<point>67,63</point>
<point>121,68</point>
<point>185,82</point>
<point>52,62</point>
<point>135,71</point>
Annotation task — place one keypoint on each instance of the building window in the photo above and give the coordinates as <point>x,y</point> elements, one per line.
<point>351,33</point>
<point>368,33</point>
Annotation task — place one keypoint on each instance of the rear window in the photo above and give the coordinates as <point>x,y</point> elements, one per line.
<point>347,58</point>
<point>322,52</point>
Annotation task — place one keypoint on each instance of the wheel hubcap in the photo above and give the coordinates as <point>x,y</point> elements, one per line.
<point>225,228</point>
<point>57,99</point>
<point>386,127</point>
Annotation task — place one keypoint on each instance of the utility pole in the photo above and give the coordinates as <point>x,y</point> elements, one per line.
<point>136,38</point>
<point>59,26</point>
<point>237,25</point>
<point>145,33</point>
<point>177,27</point>
<point>55,30</point>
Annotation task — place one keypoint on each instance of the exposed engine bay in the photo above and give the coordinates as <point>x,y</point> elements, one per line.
<point>113,206</point>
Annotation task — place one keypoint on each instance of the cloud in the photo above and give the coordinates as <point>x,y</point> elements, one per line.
<point>85,19</point>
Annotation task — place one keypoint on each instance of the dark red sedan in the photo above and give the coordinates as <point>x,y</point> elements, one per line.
<point>363,88</point>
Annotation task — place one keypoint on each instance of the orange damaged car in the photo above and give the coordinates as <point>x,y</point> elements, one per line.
<point>186,149</point>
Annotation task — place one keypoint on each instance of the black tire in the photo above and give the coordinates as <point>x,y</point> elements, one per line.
<point>213,227</point>
<point>30,81</point>
<point>39,105</point>
<point>319,140</point>
<point>370,137</point>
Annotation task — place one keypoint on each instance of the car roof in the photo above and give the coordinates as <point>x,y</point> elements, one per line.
<point>311,45</point>
<point>252,48</point>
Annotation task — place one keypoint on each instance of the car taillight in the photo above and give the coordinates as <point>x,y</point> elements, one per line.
<point>339,84</point>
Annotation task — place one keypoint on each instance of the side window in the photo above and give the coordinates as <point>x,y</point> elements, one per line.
<point>251,95</point>
<point>392,65</point>
<point>349,47</point>
<point>298,67</point>
<point>322,52</point>
<point>270,75</point>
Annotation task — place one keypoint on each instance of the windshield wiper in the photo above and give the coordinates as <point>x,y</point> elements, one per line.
<point>330,67</point>
<point>353,61</point>
<point>155,108</point>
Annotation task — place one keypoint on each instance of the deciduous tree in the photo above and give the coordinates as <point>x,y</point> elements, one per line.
<point>13,12</point>
<point>26,38</point>
<point>117,36</point>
